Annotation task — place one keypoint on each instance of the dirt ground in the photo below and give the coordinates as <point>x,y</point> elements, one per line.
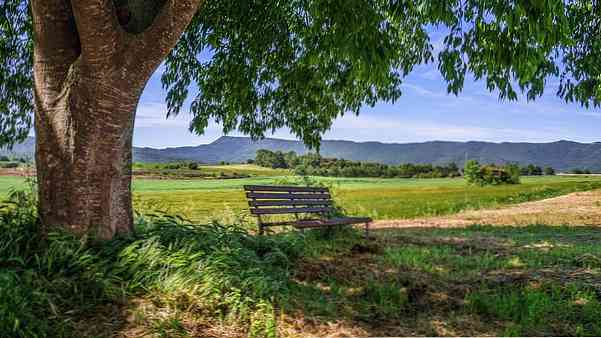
<point>581,208</point>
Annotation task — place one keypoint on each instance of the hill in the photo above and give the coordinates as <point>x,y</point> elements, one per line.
<point>562,155</point>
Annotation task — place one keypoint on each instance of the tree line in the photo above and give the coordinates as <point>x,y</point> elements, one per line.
<point>316,165</point>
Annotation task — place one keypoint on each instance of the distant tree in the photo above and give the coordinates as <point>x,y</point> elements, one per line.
<point>549,171</point>
<point>193,166</point>
<point>9,165</point>
<point>491,174</point>
<point>250,161</point>
<point>4,158</point>
<point>291,159</point>
<point>471,172</point>
<point>514,172</point>
<point>524,171</point>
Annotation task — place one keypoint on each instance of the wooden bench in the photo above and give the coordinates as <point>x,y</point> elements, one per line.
<point>281,200</point>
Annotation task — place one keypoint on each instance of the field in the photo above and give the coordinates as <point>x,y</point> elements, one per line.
<point>182,171</point>
<point>382,199</point>
<point>378,198</point>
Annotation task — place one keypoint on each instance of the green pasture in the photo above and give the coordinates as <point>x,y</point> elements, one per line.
<point>215,170</point>
<point>199,200</point>
<point>378,198</point>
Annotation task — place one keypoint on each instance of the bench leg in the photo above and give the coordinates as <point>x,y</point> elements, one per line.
<point>261,232</point>
<point>367,230</point>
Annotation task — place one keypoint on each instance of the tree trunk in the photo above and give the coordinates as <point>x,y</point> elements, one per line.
<point>89,73</point>
<point>84,154</point>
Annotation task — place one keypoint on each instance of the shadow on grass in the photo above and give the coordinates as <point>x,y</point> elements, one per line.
<point>480,280</point>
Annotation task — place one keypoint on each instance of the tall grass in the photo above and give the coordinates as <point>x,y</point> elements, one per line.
<point>51,282</point>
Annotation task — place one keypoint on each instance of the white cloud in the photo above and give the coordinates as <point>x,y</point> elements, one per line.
<point>153,114</point>
<point>368,127</point>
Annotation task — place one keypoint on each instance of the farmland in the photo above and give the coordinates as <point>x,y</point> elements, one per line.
<point>382,199</point>
<point>378,198</point>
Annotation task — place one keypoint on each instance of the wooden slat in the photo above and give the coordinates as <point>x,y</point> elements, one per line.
<point>280,223</point>
<point>283,196</point>
<point>331,222</point>
<point>279,211</point>
<point>280,203</point>
<point>284,188</point>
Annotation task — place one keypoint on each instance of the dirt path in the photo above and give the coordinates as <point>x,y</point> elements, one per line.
<point>581,208</point>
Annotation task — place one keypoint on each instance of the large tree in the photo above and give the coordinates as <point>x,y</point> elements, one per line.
<point>78,67</point>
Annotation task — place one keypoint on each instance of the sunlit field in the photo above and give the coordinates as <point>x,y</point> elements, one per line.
<point>199,200</point>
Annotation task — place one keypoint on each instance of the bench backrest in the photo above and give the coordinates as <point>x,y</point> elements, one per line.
<point>274,200</point>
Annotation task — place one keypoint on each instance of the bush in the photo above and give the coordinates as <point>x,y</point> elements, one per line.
<point>491,174</point>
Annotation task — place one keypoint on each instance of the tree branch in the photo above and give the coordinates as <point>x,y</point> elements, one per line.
<point>98,28</point>
<point>155,43</point>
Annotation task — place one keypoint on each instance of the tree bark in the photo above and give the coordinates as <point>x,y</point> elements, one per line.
<point>89,74</point>
<point>84,154</point>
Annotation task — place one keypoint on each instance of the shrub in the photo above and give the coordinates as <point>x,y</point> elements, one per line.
<point>491,174</point>
<point>471,172</point>
<point>549,171</point>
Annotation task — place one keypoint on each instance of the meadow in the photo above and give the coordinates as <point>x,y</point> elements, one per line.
<point>200,200</point>
<point>379,198</point>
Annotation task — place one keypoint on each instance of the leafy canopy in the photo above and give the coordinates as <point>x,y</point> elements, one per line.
<point>260,65</point>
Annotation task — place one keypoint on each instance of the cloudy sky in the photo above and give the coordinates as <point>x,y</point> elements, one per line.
<point>425,112</point>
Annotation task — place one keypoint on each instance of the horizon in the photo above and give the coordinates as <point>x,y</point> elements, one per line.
<point>390,143</point>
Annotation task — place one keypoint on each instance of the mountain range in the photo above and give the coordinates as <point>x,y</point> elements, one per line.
<point>561,155</point>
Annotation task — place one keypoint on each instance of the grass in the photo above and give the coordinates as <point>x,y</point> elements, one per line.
<point>166,276</point>
<point>378,198</point>
<point>175,279</point>
<point>537,280</point>
<point>201,200</point>
<point>209,171</point>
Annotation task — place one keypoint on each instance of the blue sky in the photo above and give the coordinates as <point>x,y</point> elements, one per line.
<point>425,112</point>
